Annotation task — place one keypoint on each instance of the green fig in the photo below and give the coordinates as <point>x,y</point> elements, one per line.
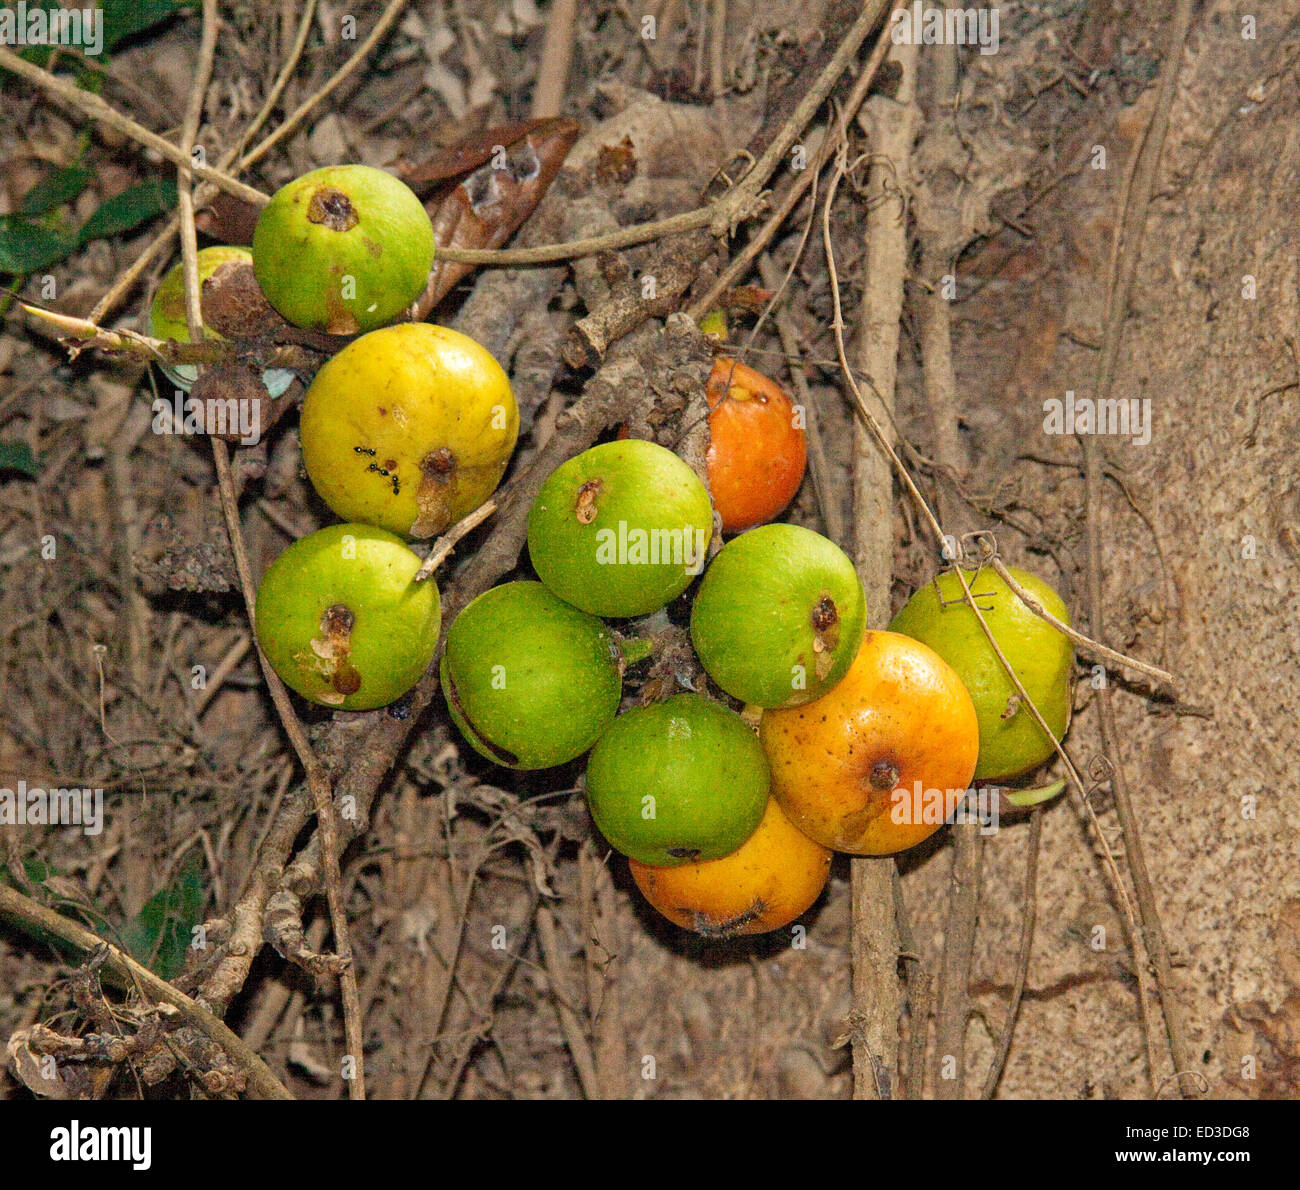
<point>620,529</point>
<point>341,620</point>
<point>680,780</point>
<point>779,616</point>
<point>530,681</point>
<point>343,249</point>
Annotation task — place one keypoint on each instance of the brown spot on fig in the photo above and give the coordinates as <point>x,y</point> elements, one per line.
<point>235,404</point>
<point>711,927</point>
<point>346,679</point>
<point>825,620</point>
<point>584,508</point>
<point>433,496</point>
<point>825,615</point>
<point>337,620</point>
<point>331,208</point>
<point>329,654</point>
<point>439,463</point>
<point>339,320</point>
<point>854,826</point>
<point>233,304</point>
<point>884,775</point>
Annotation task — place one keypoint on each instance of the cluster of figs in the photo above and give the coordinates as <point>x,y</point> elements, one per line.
<point>809,734</point>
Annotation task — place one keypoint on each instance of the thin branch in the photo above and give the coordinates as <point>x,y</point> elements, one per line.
<point>1163,679</point>
<point>184,180</point>
<point>1030,913</point>
<point>260,1078</point>
<point>126,341</point>
<point>1123,269</point>
<point>317,779</point>
<point>875,937</point>
<point>230,506</point>
<point>93,106</point>
<point>557,54</point>
<point>939,229</point>
<point>443,547</point>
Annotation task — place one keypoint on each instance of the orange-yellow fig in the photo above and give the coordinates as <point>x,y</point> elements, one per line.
<point>757,447</point>
<point>880,762</point>
<point>774,876</point>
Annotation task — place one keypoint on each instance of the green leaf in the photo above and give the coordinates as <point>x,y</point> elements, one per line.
<point>26,246</point>
<point>53,190</point>
<point>37,871</point>
<point>126,18</point>
<point>38,874</point>
<point>129,209</point>
<point>160,935</point>
<point>17,456</point>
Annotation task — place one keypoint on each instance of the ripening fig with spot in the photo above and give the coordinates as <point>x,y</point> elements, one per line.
<point>342,621</point>
<point>621,529</point>
<point>343,249</point>
<point>778,617</point>
<point>409,427</point>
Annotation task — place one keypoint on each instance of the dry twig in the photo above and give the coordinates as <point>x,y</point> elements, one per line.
<point>1029,910</point>
<point>1124,264</point>
<point>875,939</point>
<point>37,915</point>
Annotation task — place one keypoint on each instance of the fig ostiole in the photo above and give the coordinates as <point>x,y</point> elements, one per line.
<point>343,249</point>
<point>341,620</point>
<point>778,616</point>
<point>530,681</point>
<point>409,427</point>
<point>621,529</point>
<point>677,781</point>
